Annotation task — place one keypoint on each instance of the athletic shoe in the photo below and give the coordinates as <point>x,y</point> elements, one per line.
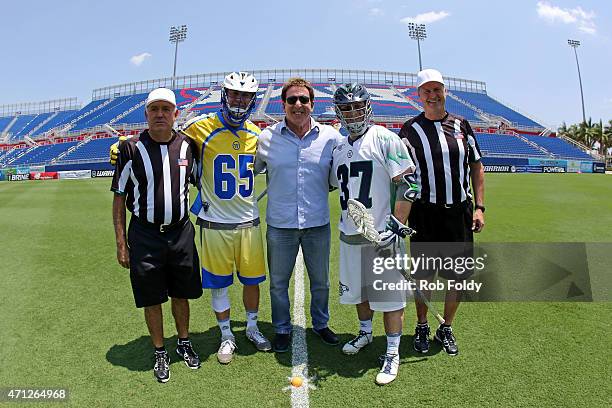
<point>161,369</point>
<point>281,342</point>
<point>359,342</point>
<point>421,338</point>
<point>191,359</point>
<point>259,340</point>
<point>389,369</point>
<point>226,349</point>
<point>328,336</point>
<point>444,335</point>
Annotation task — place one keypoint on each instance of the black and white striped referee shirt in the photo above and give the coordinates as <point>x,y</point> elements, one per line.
<point>442,151</point>
<point>155,177</point>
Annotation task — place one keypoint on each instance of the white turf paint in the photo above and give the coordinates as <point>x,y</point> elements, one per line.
<point>299,359</point>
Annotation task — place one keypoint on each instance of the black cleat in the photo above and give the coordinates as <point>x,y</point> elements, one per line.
<point>161,369</point>
<point>421,338</point>
<point>281,342</point>
<point>444,335</point>
<point>191,359</point>
<point>328,336</point>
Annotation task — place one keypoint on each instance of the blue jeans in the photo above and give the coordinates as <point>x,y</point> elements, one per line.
<point>283,245</point>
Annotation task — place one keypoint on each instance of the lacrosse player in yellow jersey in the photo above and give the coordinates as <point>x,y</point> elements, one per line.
<point>226,207</point>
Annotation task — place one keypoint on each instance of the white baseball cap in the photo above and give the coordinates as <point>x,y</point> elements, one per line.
<point>429,75</point>
<point>161,94</point>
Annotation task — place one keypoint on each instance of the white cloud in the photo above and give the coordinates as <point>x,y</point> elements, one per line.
<point>584,20</point>
<point>426,18</point>
<point>376,12</point>
<point>137,60</point>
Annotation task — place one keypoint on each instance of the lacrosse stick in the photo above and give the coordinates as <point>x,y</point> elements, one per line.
<point>365,226</point>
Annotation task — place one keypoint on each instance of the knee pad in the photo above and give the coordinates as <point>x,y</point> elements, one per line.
<point>220,300</point>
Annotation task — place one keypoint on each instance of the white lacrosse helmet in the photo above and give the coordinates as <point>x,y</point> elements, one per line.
<point>242,82</point>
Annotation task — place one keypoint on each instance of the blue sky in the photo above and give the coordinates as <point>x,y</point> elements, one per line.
<point>519,48</point>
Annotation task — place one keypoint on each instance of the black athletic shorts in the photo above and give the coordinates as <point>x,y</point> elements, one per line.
<point>163,264</point>
<point>444,239</point>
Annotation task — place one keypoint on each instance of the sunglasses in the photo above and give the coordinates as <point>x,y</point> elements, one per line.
<point>292,100</point>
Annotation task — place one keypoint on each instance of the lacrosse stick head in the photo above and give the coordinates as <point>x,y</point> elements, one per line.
<point>363,220</point>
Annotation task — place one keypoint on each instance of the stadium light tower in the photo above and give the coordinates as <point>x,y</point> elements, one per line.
<point>177,35</point>
<point>417,32</point>
<point>575,44</point>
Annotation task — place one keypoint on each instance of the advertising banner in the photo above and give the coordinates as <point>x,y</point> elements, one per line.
<point>499,169</point>
<point>573,166</point>
<point>22,170</point>
<point>553,169</point>
<point>548,162</point>
<point>18,177</point>
<point>74,174</point>
<point>43,175</point>
<point>599,167</point>
<point>528,169</point>
<point>102,173</point>
<point>586,167</point>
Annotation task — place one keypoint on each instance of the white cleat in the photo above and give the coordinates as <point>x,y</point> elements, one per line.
<point>359,342</point>
<point>226,350</point>
<point>389,369</point>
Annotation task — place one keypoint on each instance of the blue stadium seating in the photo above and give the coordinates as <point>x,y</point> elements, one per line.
<point>4,121</point>
<point>506,145</point>
<point>21,122</point>
<point>386,103</point>
<point>490,105</point>
<point>44,154</point>
<point>110,111</point>
<point>559,147</point>
<point>93,150</point>
<point>61,118</point>
<point>5,159</point>
<point>38,119</point>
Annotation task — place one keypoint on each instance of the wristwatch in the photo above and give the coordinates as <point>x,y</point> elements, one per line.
<point>479,207</point>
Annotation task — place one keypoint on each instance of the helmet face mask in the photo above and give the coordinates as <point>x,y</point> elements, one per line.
<point>243,84</point>
<point>353,108</point>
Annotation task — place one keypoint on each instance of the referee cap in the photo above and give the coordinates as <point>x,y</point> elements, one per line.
<point>161,94</point>
<point>429,75</point>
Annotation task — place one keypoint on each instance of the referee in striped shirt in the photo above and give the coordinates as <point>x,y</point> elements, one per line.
<point>151,179</point>
<point>446,213</point>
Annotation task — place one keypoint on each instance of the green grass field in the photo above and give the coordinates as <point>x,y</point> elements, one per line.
<point>68,320</point>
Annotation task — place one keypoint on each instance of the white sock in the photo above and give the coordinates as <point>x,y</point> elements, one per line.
<point>365,325</point>
<point>226,330</point>
<point>251,318</point>
<point>393,342</point>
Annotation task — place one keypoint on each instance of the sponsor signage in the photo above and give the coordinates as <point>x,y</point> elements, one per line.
<point>499,169</point>
<point>528,169</point>
<point>102,173</point>
<point>573,166</point>
<point>599,167</point>
<point>43,175</point>
<point>553,169</point>
<point>586,167</point>
<point>74,174</point>
<point>19,177</point>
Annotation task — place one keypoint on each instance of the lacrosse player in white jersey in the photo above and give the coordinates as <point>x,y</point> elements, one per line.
<point>371,165</point>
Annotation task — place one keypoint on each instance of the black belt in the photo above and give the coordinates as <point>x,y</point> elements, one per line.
<point>162,227</point>
<point>227,226</point>
<point>462,204</point>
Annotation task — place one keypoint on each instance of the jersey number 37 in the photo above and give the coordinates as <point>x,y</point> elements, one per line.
<point>361,169</point>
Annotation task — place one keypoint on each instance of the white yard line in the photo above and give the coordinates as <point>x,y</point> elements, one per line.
<point>299,349</point>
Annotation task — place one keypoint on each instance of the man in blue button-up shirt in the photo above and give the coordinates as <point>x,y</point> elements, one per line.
<point>297,154</point>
